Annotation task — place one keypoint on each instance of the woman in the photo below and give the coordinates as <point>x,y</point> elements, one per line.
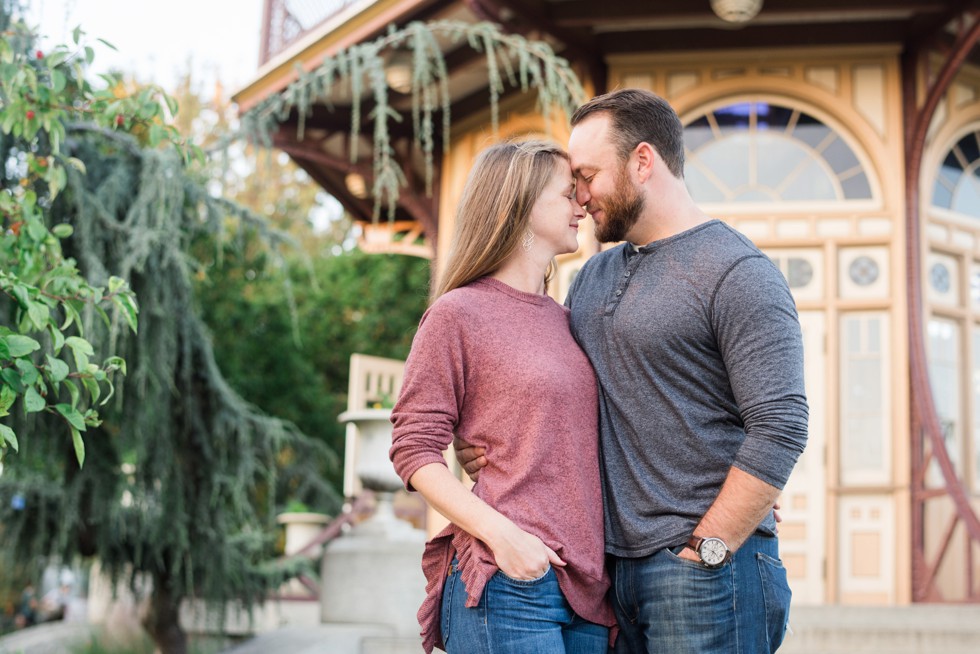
<point>520,569</point>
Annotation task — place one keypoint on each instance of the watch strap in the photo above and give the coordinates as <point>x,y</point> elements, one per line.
<point>694,542</point>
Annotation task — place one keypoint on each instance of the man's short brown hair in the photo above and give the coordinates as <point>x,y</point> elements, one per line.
<point>638,116</point>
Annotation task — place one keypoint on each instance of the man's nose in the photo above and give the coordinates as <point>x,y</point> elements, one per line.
<point>582,195</point>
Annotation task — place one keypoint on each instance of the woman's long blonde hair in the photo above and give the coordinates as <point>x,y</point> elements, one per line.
<point>495,209</point>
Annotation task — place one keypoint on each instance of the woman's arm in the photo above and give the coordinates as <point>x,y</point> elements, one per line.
<point>519,555</point>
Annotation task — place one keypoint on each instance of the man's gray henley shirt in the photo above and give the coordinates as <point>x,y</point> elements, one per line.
<point>696,343</point>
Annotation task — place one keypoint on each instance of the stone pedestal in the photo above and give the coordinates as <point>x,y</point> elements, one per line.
<point>373,573</point>
<point>374,579</point>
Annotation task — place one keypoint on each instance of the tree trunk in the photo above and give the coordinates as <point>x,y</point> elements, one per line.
<point>162,618</point>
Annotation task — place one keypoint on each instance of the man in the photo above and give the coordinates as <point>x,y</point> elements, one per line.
<point>696,343</point>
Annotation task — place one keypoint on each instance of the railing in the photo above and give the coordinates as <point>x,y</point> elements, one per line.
<point>360,508</point>
<point>285,21</point>
<point>928,444</point>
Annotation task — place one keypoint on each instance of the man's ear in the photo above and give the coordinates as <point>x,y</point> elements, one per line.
<point>644,158</point>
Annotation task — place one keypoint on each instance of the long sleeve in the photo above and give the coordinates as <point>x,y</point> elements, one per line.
<point>433,388</point>
<point>754,317</point>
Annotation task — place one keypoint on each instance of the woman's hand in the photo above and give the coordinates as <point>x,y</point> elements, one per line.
<point>521,555</point>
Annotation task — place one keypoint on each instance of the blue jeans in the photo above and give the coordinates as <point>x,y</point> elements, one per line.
<point>515,617</point>
<point>666,604</point>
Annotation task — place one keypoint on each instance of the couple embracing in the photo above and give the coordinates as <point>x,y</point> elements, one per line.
<point>629,445</point>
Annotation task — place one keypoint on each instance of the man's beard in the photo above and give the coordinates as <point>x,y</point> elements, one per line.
<point>621,210</point>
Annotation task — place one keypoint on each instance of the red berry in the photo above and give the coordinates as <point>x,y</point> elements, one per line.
<point>40,55</point>
<point>30,115</point>
<point>119,120</point>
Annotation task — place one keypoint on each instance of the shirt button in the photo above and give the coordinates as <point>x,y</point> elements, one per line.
<point>626,274</point>
<point>619,292</point>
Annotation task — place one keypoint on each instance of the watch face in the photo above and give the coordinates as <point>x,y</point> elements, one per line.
<point>713,551</point>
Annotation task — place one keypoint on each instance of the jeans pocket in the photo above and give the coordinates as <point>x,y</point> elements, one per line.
<point>777,595</point>
<point>674,556</point>
<point>523,582</point>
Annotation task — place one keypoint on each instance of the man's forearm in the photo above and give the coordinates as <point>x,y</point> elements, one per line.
<point>743,503</point>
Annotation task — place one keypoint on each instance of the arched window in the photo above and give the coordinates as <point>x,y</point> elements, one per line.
<point>951,286</point>
<point>763,152</point>
<point>957,186</point>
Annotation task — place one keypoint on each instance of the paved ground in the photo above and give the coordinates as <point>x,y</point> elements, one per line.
<point>50,638</point>
<point>918,629</point>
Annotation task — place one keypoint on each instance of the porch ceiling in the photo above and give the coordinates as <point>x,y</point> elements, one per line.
<point>589,34</point>
<point>684,25</point>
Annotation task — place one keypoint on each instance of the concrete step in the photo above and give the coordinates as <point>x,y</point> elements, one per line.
<point>393,645</point>
<point>331,639</point>
<point>916,629</point>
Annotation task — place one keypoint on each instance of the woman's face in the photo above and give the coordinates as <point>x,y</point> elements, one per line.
<point>556,214</point>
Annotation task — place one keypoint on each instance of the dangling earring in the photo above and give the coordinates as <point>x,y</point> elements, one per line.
<point>528,240</point>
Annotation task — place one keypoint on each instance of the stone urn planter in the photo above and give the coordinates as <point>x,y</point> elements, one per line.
<point>373,441</point>
<point>374,468</point>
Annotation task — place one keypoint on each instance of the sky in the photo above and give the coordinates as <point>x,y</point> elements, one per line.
<point>155,39</point>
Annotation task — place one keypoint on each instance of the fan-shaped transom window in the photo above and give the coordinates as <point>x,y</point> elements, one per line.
<point>957,186</point>
<point>763,152</point>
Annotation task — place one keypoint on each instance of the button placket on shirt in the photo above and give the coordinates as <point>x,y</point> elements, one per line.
<point>632,262</point>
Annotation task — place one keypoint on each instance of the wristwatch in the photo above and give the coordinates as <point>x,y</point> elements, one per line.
<point>712,551</point>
